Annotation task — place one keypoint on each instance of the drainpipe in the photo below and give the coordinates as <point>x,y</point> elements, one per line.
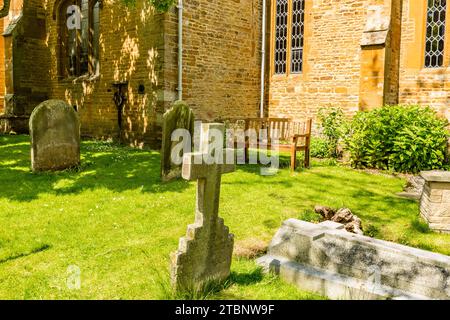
<point>180,49</point>
<point>263,58</point>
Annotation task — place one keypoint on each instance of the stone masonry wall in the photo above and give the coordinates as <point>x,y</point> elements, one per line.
<point>331,70</point>
<point>222,57</point>
<point>334,62</point>
<point>435,205</point>
<point>131,44</point>
<point>15,9</point>
<point>435,200</point>
<point>27,67</point>
<point>139,46</point>
<point>2,69</point>
<point>393,73</point>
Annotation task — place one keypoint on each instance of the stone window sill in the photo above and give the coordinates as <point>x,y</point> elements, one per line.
<point>440,70</point>
<point>284,77</point>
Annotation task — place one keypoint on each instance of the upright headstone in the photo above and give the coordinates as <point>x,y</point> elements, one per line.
<point>55,136</point>
<point>180,116</point>
<point>205,253</point>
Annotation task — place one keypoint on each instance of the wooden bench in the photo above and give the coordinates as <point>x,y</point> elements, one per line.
<point>293,136</point>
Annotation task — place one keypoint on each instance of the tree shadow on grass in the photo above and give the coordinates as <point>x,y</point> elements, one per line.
<point>118,168</point>
<point>364,193</point>
<point>35,250</point>
<point>103,165</point>
<point>246,279</point>
<point>239,279</point>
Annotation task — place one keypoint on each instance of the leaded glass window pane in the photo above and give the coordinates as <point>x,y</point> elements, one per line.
<point>298,29</point>
<point>72,51</point>
<point>281,36</point>
<point>435,33</point>
<point>96,38</point>
<point>80,41</point>
<point>84,37</point>
<point>70,44</point>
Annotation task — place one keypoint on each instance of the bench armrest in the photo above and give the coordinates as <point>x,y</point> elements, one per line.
<point>305,135</point>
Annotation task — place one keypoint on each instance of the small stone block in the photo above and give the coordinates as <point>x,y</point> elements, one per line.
<point>435,201</point>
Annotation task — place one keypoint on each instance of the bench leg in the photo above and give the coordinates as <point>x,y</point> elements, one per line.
<point>293,158</point>
<point>307,158</point>
<point>246,155</point>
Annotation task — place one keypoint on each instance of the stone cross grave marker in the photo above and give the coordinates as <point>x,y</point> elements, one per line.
<point>205,253</point>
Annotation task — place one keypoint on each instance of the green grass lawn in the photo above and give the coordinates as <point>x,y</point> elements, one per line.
<point>114,220</point>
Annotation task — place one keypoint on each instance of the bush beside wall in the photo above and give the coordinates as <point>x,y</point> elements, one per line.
<point>398,138</point>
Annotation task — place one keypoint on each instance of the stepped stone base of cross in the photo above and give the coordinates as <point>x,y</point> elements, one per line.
<point>204,254</point>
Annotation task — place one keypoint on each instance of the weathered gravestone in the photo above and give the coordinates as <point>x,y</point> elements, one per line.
<point>180,116</point>
<point>435,200</point>
<point>204,254</point>
<point>326,259</point>
<point>55,136</point>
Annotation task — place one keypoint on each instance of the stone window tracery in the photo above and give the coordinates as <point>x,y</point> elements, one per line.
<point>289,29</point>
<point>435,33</point>
<point>298,30</point>
<point>281,36</point>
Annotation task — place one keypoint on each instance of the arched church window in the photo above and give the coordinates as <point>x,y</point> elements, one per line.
<point>79,35</point>
<point>288,30</point>
<point>435,33</point>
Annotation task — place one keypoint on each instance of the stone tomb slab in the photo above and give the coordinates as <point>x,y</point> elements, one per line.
<point>328,260</point>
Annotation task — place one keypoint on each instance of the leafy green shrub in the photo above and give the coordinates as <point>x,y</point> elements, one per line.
<point>160,5</point>
<point>320,148</point>
<point>398,138</point>
<point>333,125</point>
<point>371,231</point>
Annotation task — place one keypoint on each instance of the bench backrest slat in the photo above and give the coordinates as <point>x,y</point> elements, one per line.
<point>285,126</point>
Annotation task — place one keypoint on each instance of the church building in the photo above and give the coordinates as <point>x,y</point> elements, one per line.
<point>122,63</point>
